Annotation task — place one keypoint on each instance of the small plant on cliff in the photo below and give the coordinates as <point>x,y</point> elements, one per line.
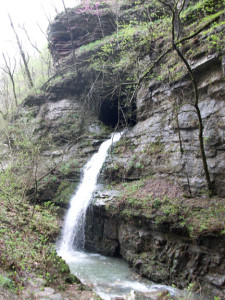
<point>178,38</point>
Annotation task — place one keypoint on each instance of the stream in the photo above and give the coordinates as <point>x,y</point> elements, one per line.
<point>109,277</point>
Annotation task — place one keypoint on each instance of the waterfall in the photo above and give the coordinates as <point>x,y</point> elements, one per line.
<point>73,228</point>
<point>110,277</point>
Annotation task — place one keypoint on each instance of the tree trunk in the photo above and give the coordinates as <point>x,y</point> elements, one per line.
<point>31,85</point>
<point>196,106</point>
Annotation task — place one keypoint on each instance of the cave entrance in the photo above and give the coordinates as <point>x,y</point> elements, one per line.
<point>111,116</point>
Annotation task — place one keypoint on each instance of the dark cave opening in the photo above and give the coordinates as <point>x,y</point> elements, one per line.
<point>111,116</point>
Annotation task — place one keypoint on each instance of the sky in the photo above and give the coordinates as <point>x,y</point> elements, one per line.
<point>27,13</point>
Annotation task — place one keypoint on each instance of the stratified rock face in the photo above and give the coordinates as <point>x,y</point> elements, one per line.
<point>158,122</point>
<point>165,139</point>
<point>68,142</point>
<point>156,250</point>
<point>85,26</point>
<point>167,122</point>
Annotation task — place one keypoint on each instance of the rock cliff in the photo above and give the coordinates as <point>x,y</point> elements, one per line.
<point>162,111</point>
<point>156,241</point>
<point>152,220</point>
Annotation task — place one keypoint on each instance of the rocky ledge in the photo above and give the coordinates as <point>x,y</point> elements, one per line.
<point>156,243</point>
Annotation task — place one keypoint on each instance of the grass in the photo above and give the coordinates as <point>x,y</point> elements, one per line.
<point>6,282</point>
<point>163,202</point>
<point>123,33</point>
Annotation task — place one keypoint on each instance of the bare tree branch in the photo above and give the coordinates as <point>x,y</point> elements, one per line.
<point>175,46</point>
<point>22,54</point>
<point>28,37</point>
<point>10,72</point>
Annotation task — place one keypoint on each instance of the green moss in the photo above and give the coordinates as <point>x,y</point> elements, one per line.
<point>194,216</point>
<point>64,192</point>
<point>68,166</point>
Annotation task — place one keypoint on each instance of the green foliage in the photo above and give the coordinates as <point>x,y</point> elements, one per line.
<point>118,50</point>
<point>154,148</point>
<point>6,282</point>
<point>64,192</point>
<point>27,228</point>
<point>215,38</point>
<point>156,203</point>
<point>195,217</point>
<point>200,9</point>
<point>66,167</point>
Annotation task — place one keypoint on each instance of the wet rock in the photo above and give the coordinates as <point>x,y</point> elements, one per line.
<point>217,280</point>
<point>155,251</point>
<point>155,295</point>
<point>110,229</point>
<point>223,64</point>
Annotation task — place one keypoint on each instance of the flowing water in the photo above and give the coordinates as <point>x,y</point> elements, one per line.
<point>110,277</point>
<point>73,228</point>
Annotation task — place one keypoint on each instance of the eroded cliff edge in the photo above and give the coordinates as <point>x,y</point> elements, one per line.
<point>165,233</point>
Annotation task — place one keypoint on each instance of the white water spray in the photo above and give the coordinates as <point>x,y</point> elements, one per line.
<point>110,277</point>
<point>73,228</point>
